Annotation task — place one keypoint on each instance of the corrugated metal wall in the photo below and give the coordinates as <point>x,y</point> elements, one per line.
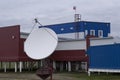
<point>104,57</point>
<point>9,43</point>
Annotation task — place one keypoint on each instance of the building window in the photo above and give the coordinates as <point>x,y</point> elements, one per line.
<point>92,32</point>
<point>86,32</point>
<point>100,33</point>
<point>62,29</point>
<point>71,28</point>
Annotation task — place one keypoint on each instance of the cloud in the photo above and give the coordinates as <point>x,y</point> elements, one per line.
<point>23,12</point>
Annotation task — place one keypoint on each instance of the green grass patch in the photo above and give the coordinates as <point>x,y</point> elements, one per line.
<point>94,76</point>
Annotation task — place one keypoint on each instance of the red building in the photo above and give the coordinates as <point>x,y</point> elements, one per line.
<point>69,55</point>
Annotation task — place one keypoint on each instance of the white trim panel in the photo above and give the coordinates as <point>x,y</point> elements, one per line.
<point>105,70</point>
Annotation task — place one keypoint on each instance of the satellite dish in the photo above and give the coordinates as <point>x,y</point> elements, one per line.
<point>41,43</point>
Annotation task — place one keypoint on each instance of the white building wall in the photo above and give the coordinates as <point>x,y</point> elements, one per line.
<point>80,35</point>
<point>104,41</point>
<point>101,41</point>
<point>71,45</point>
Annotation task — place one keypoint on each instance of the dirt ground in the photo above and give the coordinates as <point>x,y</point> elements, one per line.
<point>32,76</point>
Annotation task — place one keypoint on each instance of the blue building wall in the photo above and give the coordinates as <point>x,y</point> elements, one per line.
<point>96,26</point>
<point>81,27</point>
<point>104,57</point>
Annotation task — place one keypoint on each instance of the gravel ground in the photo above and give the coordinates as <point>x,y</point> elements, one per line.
<point>31,76</point>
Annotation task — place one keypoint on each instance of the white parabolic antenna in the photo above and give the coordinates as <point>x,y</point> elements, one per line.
<point>41,43</point>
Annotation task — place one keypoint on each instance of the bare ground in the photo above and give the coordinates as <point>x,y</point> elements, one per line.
<point>32,76</point>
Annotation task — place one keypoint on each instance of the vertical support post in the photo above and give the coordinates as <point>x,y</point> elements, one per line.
<point>20,66</point>
<point>41,62</point>
<point>61,66</point>
<point>23,65</point>
<point>5,66</point>
<point>86,66</point>
<point>51,77</point>
<point>28,67</point>
<point>66,66</point>
<point>54,65</point>
<point>98,73</point>
<point>69,66</point>
<point>9,65</point>
<point>77,66</point>
<point>1,65</point>
<point>37,64</point>
<point>88,73</point>
<point>15,66</point>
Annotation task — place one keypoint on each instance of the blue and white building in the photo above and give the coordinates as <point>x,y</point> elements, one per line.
<point>103,50</point>
<point>79,30</point>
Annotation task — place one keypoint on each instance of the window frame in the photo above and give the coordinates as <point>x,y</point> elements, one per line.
<point>86,32</point>
<point>92,32</point>
<point>100,33</point>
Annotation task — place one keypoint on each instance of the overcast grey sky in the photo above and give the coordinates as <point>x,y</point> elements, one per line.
<point>23,12</point>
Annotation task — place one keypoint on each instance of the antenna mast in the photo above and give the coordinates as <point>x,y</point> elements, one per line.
<point>77,18</point>
<point>36,21</point>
